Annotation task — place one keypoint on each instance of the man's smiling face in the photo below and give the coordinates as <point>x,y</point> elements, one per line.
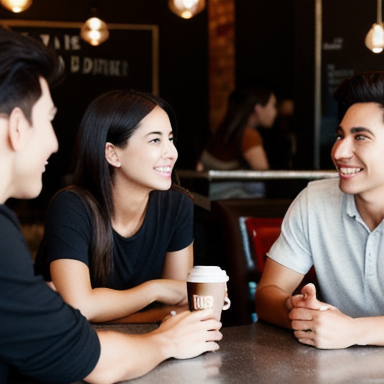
<point>358,152</point>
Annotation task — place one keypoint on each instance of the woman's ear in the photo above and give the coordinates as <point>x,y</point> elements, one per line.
<point>111,155</point>
<point>18,127</point>
<point>257,108</point>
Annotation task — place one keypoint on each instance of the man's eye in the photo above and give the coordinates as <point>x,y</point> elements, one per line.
<point>338,136</point>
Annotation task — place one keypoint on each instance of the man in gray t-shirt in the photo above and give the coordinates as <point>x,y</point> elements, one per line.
<point>336,226</point>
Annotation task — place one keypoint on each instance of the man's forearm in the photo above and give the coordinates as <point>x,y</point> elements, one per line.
<point>370,330</point>
<point>125,357</point>
<point>271,305</point>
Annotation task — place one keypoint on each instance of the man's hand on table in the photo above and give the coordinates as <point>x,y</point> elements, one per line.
<point>319,324</point>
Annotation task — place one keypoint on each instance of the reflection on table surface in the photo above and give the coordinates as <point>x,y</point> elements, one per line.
<point>264,354</point>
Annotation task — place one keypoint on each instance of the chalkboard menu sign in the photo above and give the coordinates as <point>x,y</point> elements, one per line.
<point>129,57</point>
<point>344,25</point>
<point>127,60</point>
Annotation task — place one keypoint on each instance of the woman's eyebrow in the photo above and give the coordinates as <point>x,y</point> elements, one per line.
<point>154,133</point>
<point>158,133</point>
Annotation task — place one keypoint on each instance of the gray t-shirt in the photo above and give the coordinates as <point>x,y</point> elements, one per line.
<point>324,228</point>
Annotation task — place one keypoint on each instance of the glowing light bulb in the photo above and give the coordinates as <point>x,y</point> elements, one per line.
<point>16,6</point>
<point>186,8</point>
<point>375,38</point>
<point>94,31</point>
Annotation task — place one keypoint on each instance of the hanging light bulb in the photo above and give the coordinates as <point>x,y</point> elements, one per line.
<point>16,6</point>
<point>94,31</point>
<point>375,37</point>
<point>186,8</point>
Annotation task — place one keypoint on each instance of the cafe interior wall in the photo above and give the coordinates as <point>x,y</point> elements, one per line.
<point>182,73</point>
<point>183,64</point>
<point>276,39</point>
<point>273,38</point>
<point>267,33</point>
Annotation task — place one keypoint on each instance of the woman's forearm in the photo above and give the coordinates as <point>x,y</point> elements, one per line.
<point>152,315</point>
<point>104,304</point>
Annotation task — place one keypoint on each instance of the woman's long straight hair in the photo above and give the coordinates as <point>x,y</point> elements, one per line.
<point>241,105</point>
<point>112,117</point>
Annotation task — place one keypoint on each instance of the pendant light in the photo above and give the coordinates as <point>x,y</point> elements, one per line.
<point>94,31</point>
<point>375,37</point>
<point>16,6</point>
<point>186,8</point>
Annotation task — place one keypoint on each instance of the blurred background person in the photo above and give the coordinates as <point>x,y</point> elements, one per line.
<point>238,144</point>
<point>280,140</point>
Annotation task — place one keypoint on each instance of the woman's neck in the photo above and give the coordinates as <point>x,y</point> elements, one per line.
<point>129,207</point>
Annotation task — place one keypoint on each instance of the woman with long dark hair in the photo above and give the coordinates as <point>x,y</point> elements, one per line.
<point>238,144</point>
<point>120,238</point>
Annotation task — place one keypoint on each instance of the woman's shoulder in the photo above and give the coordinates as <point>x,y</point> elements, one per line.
<point>67,208</point>
<point>252,135</point>
<point>66,196</point>
<point>251,139</point>
<point>67,202</point>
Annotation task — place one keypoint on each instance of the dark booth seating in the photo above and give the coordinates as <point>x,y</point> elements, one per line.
<point>246,228</point>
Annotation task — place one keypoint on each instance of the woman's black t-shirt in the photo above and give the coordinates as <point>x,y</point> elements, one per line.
<point>167,227</point>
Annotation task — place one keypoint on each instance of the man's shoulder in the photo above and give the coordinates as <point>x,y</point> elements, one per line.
<point>331,182</point>
<point>320,194</point>
<point>8,219</point>
<point>14,250</point>
<point>324,188</point>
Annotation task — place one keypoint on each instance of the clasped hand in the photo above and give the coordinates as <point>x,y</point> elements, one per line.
<point>319,324</point>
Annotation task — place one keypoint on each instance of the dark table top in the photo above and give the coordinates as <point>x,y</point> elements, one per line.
<point>264,354</point>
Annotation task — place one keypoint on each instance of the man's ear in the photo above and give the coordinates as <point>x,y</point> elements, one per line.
<point>17,129</point>
<point>111,155</point>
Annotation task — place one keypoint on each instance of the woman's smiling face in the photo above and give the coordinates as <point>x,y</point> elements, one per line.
<point>148,158</point>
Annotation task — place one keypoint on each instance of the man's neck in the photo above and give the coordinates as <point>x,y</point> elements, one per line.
<point>371,210</point>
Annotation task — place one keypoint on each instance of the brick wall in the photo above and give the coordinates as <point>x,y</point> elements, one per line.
<point>221,29</point>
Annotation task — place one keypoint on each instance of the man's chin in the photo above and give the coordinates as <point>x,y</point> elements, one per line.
<point>29,194</point>
<point>347,189</point>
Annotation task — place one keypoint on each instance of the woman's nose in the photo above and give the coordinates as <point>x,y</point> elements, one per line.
<point>170,150</point>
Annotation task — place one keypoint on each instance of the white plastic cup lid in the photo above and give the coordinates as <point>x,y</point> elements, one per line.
<point>207,274</point>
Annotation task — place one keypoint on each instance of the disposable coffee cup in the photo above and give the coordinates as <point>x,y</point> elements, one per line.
<point>207,289</point>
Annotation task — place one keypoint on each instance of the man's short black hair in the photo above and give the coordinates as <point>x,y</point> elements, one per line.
<point>23,60</point>
<point>362,87</point>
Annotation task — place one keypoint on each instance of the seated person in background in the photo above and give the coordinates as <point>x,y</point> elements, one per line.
<point>119,239</point>
<point>40,335</point>
<point>279,141</point>
<point>237,144</point>
<point>336,225</point>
